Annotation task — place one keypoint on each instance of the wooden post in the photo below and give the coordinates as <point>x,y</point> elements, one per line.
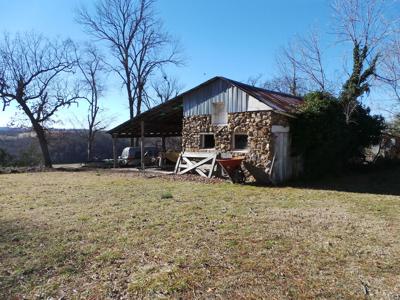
<point>163,149</point>
<point>163,152</point>
<point>114,142</point>
<point>142,144</point>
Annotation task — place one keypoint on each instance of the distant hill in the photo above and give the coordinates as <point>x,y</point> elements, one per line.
<point>13,130</point>
<point>65,145</point>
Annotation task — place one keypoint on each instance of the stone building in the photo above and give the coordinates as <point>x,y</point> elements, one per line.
<point>231,118</point>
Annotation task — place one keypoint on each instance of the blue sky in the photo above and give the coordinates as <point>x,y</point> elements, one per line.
<point>232,38</point>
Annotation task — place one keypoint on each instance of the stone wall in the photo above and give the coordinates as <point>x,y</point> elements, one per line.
<point>257,125</point>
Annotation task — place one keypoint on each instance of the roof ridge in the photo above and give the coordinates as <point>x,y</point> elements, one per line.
<point>235,82</point>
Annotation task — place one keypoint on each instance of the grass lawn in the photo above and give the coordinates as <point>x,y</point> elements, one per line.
<point>107,235</point>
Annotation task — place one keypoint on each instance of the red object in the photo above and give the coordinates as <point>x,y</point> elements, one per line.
<point>230,164</point>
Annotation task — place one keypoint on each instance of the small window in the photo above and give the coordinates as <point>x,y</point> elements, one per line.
<point>219,114</point>
<point>207,141</point>
<point>240,142</point>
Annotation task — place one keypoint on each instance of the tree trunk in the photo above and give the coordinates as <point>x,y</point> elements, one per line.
<point>43,145</point>
<point>90,146</point>
<point>40,133</point>
<point>131,116</point>
<point>128,85</point>
<point>138,107</point>
<point>139,99</point>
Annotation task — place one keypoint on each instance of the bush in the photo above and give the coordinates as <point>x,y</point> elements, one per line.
<point>29,156</point>
<point>5,158</point>
<point>328,144</point>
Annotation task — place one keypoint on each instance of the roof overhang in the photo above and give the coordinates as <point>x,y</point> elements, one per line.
<point>162,120</point>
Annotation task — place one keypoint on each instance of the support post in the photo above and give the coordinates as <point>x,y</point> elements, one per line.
<point>142,144</point>
<point>163,152</point>
<point>114,143</point>
<point>163,148</point>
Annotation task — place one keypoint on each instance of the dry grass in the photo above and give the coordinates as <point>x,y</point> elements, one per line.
<point>107,235</point>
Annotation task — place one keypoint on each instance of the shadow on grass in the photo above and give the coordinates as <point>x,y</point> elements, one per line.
<point>30,255</point>
<point>380,181</point>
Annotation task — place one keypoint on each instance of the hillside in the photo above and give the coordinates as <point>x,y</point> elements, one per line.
<point>66,146</point>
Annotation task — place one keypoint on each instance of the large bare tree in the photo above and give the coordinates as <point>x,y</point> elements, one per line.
<point>91,65</point>
<point>117,23</point>
<point>33,72</point>
<point>137,41</point>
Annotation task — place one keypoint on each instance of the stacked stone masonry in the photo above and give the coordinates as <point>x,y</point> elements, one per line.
<point>257,126</point>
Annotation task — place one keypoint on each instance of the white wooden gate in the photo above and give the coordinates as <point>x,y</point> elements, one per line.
<point>203,163</point>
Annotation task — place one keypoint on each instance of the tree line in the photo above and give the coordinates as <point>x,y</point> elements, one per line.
<point>40,76</point>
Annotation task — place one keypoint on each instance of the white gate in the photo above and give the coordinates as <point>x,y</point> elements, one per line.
<point>203,163</point>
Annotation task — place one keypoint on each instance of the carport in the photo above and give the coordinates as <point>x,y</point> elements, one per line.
<point>164,120</point>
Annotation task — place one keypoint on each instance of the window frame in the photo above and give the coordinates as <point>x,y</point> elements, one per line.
<point>221,116</point>
<point>234,146</point>
<point>202,140</point>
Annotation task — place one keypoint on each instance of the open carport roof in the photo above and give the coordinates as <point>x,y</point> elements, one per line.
<point>162,120</point>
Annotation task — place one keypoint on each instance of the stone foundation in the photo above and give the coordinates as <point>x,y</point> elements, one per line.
<point>257,125</point>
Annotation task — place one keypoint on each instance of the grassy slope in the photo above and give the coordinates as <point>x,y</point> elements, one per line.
<point>98,235</point>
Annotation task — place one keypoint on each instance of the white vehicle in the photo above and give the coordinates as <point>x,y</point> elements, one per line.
<point>131,156</point>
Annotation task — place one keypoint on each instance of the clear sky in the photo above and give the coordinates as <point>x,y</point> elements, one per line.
<point>232,38</point>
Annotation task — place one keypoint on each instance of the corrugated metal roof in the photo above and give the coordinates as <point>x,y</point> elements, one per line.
<point>278,101</point>
<point>162,120</point>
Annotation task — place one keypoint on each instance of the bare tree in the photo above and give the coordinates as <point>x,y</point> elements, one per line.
<point>117,22</point>
<point>302,60</point>
<point>311,61</point>
<point>166,88</point>
<point>137,41</point>
<point>362,23</point>
<point>287,78</point>
<point>33,74</point>
<point>390,67</point>
<point>91,65</point>
<point>255,80</point>
<point>153,49</point>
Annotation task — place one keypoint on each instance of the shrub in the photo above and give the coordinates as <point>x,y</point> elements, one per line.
<point>5,158</point>
<point>328,144</point>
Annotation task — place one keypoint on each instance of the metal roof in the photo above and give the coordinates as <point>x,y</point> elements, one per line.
<point>277,101</point>
<point>162,120</point>
<point>166,119</point>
